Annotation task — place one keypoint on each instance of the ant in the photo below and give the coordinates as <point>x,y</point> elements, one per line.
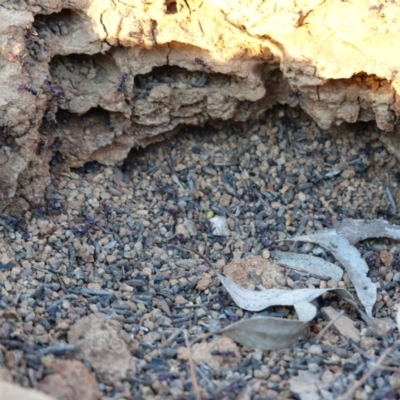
<point>90,222</point>
<point>55,91</point>
<point>41,211</point>
<point>84,118</point>
<point>32,36</point>
<point>251,192</point>
<point>234,386</point>
<point>373,261</point>
<point>385,214</point>
<point>4,132</point>
<point>137,35</point>
<point>56,144</point>
<point>223,353</point>
<point>122,83</point>
<point>170,211</point>
<point>209,227</point>
<point>261,231</point>
<point>106,209</point>
<point>268,243</point>
<point>199,61</point>
<point>160,185</point>
<point>182,240</point>
<point>295,94</point>
<point>17,224</point>
<point>50,116</point>
<point>396,263</point>
<point>28,88</point>
<point>58,158</point>
<point>91,166</point>
<point>247,105</point>
<point>54,205</point>
<point>327,222</point>
<point>163,188</point>
<point>40,147</point>
<point>165,377</point>
<point>80,231</point>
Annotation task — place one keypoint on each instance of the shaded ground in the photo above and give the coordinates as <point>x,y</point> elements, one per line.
<point>94,300</point>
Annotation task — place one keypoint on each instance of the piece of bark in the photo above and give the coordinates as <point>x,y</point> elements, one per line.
<point>344,325</point>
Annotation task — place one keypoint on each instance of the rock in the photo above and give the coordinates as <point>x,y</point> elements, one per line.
<point>9,391</point>
<point>344,324</point>
<point>181,231</point>
<point>315,350</point>
<point>205,282</point>
<point>98,339</point>
<point>5,375</point>
<point>306,385</point>
<point>243,272</point>
<point>386,257</point>
<point>124,99</point>
<point>70,380</point>
<point>219,226</point>
<point>190,226</point>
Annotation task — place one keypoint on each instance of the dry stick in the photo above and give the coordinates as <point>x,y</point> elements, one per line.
<point>350,392</point>
<point>50,271</point>
<point>171,338</point>
<point>391,369</point>
<point>330,323</point>
<point>195,384</point>
<point>204,336</point>
<point>392,201</point>
<point>56,274</point>
<point>184,248</point>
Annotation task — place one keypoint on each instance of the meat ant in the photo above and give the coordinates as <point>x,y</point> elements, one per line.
<point>28,88</point>
<point>56,144</point>
<point>40,147</point>
<point>200,62</point>
<point>138,36</point>
<point>4,132</point>
<point>122,83</point>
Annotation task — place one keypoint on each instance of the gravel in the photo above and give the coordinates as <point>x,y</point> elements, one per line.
<point>91,276</point>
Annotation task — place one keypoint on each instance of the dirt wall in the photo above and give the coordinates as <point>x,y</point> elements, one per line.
<point>89,80</point>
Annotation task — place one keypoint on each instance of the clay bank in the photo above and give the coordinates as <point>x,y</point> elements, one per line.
<point>86,81</point>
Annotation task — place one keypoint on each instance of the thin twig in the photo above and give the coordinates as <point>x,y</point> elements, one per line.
<point>356,385</point>
<point>330,323</point>
<point>392,369</point>
<point>183,248</point>
<point>195,384</point>
<point>391,199</point>
<point>210,385</point>
<point>50,271</point>
<point>171,338</point>
<point>204,336</point>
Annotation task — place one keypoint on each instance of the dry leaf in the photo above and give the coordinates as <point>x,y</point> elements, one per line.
<point>351,260</point>
<point>308,263</point>
<point>265,333</point>
<point>355,230</point>
<point>252,300</point>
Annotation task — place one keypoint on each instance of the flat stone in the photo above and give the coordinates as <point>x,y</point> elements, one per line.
<point>70,380</point>
<point>99,341</point>
<point>9,391</point>
<point>344,324</point>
